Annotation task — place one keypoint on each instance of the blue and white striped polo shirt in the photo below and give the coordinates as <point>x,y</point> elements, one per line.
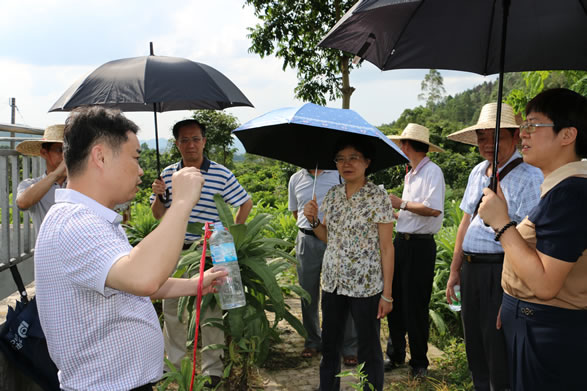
<point>218,180</point>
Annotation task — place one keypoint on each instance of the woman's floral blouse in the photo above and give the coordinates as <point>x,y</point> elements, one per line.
<point>352,261</point>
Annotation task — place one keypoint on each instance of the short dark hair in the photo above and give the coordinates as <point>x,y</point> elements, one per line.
<point>418,146</point>
<point>565,108</point>
<point>89,125</point>
<point>187,122</point>
<point>360,143</point>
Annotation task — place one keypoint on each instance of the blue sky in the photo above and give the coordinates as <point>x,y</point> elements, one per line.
<point>47,45</point>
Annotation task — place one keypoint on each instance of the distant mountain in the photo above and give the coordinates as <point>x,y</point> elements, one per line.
<point>151,143</point>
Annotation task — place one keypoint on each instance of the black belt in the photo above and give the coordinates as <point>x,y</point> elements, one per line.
<point>308,231</point>
<point>406,236</point>
<point>483,258</point>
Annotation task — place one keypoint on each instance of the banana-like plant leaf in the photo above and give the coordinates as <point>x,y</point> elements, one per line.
<point>301,292</point>
<point>273,290</point>
<point>196,228</point>
<point>438,322</point>
<point>295,323</point>
<point>224,211</point>
<point>239,233</point>
<point>236,322</point>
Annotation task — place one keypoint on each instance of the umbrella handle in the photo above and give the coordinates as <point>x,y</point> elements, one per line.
<point>165,198</point>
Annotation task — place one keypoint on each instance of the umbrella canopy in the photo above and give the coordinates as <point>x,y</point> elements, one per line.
<point>148,82</point>
<point>305,136</point>
<point>481,36</point>
<point>465,35</point>
<point>153,83</point>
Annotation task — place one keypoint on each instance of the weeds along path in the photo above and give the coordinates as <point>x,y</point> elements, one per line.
<point>287,370</point>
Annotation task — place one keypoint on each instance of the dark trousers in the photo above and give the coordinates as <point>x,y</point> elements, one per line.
<point>412,287</point>
<point>546,346</point>
<point>481,295</point>
<point>335,310</point>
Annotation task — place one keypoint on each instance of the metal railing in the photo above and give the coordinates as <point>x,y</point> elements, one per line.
<point>17,234</point>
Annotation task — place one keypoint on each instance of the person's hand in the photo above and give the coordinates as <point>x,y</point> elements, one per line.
<point>60,171</point>
<point>453,279</point>
<point>498,320</point>
<point>187,185</point>
<point>493,209</point>
<point>212,278</point>
<point>158,187</point>
<point>384,308</point>
<point>396,202</point>
<point>311,210</point>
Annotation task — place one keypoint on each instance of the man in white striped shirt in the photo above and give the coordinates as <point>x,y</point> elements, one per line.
<point>190,139</point>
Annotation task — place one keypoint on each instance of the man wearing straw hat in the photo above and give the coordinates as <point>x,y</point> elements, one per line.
<point>478,259</point>
<point>37,195</point>
<point>421,210</point>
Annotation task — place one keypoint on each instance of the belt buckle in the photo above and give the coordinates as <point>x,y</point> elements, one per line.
<point>469,258</point>
<point>527,311</point>
<point>407,236</point>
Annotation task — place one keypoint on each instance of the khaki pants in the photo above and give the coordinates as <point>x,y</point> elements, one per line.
<point>175,337</point>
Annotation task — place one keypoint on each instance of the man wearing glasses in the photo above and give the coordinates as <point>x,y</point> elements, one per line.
<point>190,138</point>
<point>478,259</point>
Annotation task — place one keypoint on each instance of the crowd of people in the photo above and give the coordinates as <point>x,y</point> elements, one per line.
<point>520,255</point>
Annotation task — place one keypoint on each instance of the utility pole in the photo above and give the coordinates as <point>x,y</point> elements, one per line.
<point>12,118</point>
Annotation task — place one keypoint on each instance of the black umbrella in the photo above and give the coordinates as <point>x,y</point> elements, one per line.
<point>481,36</point>
<point>153,83</point>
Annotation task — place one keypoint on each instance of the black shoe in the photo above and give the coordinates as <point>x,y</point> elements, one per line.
<point>212,383</point>
<point>419,373</point>
<point>389,365</point>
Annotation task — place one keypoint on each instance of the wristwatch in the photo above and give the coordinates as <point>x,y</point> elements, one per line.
<point>403,205</point>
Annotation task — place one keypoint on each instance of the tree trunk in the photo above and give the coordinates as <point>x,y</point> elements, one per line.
<point>346,89</point>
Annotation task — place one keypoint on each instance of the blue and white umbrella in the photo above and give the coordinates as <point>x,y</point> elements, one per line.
<point>306,135</point>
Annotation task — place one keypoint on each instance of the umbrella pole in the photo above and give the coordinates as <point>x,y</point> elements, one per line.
<point>494,176</point>
<point>314,186</point>
<point>157,140</point>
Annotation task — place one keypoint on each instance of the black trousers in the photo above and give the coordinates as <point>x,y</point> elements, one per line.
<point>412,287</point>
<point>335,310</point>
<point>546,346</point>
<point>481,295</point>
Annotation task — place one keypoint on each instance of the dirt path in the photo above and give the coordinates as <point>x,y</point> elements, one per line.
<point>289,371</point>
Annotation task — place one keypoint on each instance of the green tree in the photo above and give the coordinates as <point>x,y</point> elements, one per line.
<point>219,141</point>
<point>432,88</point>
<point>291,30</point>
<point>536,81</point>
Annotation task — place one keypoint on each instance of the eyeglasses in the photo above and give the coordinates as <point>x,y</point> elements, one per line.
<point>351,159</point>
<point>186,140</point>
<point>530,128</point>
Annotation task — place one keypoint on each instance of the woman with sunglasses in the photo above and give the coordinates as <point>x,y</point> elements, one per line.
<point>357,270</point>
<point>544,308</point>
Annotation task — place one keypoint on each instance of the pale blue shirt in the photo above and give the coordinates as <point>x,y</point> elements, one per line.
<point>40,209</point>
<point>100,338</point>
<point>300,187</point>
<point>521,188</point>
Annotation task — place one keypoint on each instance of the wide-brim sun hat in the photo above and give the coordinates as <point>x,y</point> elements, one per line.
<point>53,134</point>
<point>486,121</point>
<point>416,132</point>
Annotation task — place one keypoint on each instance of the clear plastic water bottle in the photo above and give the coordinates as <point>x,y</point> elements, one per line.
<point>224,257</point>
<point>456,304</point>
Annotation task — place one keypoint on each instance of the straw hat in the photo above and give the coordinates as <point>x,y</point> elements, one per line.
<point>53,134</point>
<point>417,133</point>
<point>486,121</point>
